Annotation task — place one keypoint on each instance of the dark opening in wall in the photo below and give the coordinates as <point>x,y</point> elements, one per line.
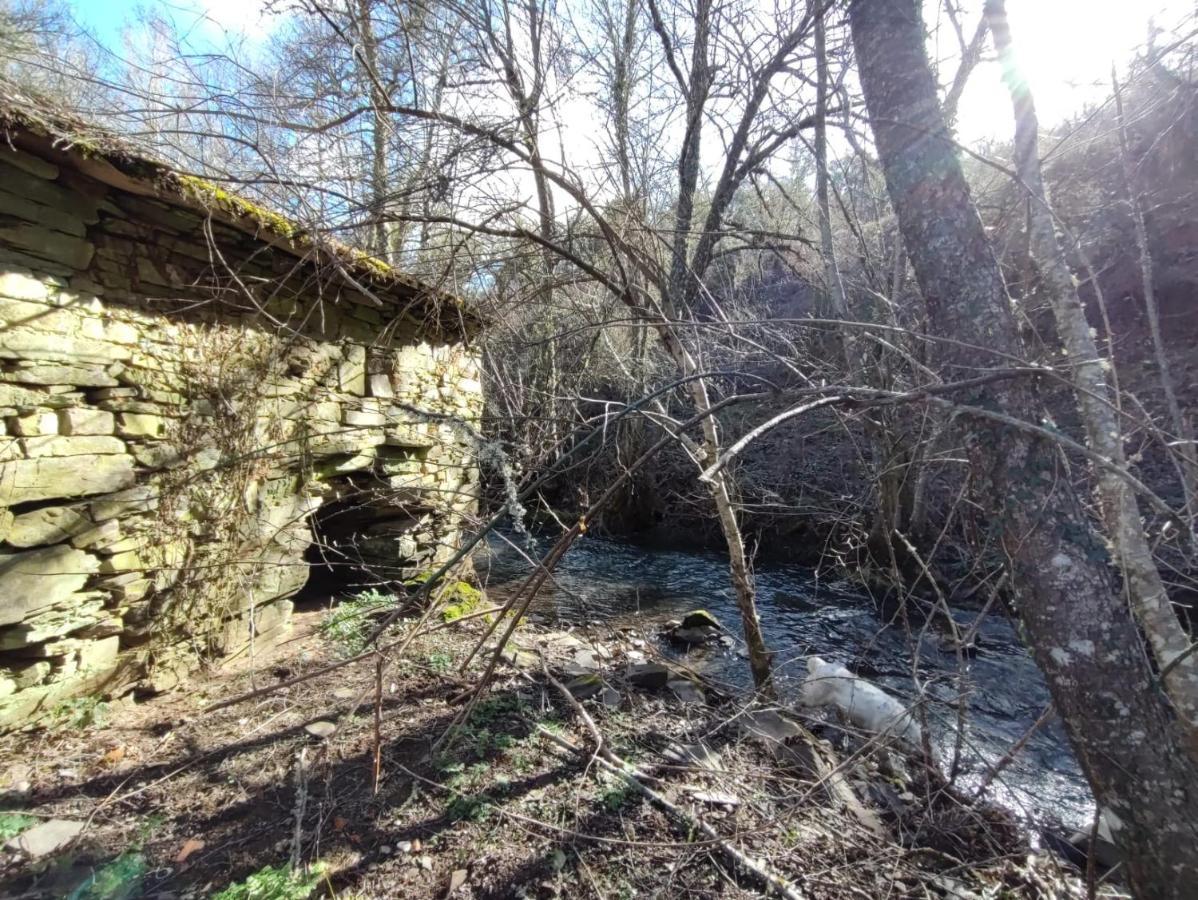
<point>366,536</point>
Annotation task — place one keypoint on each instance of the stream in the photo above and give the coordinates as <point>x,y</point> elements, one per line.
<point>619,583</point>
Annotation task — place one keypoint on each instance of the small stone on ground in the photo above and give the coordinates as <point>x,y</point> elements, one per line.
<point>585,686</point>
<point>652,676</point>
<point>686,691</point>
<point>42,840</point>
<point>320,728</point>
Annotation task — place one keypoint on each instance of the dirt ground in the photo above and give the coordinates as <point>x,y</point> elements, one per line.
<point>180,802</point>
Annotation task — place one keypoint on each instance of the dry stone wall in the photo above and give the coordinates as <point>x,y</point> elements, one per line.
<point>181,404</point>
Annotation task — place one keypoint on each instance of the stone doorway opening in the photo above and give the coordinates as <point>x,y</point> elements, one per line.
<point>365,535</point>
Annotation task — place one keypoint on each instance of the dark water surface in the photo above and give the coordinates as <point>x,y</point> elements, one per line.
<point>616,582</point>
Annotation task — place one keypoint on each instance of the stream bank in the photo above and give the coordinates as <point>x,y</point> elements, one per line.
<point>186,802</point>
<point>621,583</point>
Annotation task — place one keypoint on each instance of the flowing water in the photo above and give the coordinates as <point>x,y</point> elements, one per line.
<point>618,583</point>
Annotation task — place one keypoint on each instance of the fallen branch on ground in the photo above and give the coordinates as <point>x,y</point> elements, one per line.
<point>630,776</point>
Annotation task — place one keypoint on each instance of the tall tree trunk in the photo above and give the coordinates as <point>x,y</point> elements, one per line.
<point>681,277</point>
<point>722,487</point>
<point>1120,510</point>
<point>1119,720</point>
<point>837,301</point>
<point>526,89</point>
<point>378,133</point>
<point>890,456</point>
<point>697,91</point>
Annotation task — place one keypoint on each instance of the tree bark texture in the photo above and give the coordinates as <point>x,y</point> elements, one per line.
<point>1120,723</point>
<point>1121,513</point>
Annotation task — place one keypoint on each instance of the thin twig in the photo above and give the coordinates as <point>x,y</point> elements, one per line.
<point>623,770</point>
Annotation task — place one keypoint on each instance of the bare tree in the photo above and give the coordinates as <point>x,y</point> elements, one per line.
<point>1125,733</point>
<point>1103,429</point>
<point>1182,430</point>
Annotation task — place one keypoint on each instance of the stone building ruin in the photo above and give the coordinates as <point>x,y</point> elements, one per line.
<point>198,401</point>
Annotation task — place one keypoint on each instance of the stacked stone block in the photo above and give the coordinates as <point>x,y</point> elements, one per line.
<point>169,428</point>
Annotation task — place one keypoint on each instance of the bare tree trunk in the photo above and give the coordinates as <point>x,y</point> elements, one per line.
<point>722,486</point>
<point>1188,468</point>
<point>697,90</point>
<point>971,55</point>
<point>1119,720</point>
<point>526,94</point>
<point>378,133</point>
<point>833,284</point>
<point>1120,511</point>
<point>723,493</point>
<point>892,469</point>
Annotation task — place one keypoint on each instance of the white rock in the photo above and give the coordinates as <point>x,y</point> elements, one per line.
<point>42,840</point>
<point>864,704</point>
<point>320,728</point>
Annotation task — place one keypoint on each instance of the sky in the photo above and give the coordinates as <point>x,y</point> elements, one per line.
<point>207,21</point>
<point>1065,47</point>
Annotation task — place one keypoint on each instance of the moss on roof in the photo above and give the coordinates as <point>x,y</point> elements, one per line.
<point>207,193</point>
<point>20,112</point>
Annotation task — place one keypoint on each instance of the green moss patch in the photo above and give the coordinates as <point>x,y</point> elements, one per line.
<point>210,195</point>
<point>460,598</point>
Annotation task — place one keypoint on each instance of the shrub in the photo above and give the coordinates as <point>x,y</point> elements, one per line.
<point>81,712</point>
<point>460,597</point>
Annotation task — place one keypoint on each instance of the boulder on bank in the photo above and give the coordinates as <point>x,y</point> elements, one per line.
<point>648,675</point>
<point>700,618</point>
<point>697,627</point>
<point>585,686</point>
<point>1080,845</point>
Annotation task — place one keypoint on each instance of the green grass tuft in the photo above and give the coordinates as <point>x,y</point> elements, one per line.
<point>348,624</point>
<point>13,823</point>
<point>274,883</point>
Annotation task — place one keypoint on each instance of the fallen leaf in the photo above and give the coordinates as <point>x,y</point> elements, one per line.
<point>339,823</point>
<point>114,756</point>
<point>190,846</point>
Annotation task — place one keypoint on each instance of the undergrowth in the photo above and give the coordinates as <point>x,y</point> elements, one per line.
<point>81,712</point>
<point>13,823</point>
<point>274,883</point>
<point>348,624</point>
<point>460,598</point>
